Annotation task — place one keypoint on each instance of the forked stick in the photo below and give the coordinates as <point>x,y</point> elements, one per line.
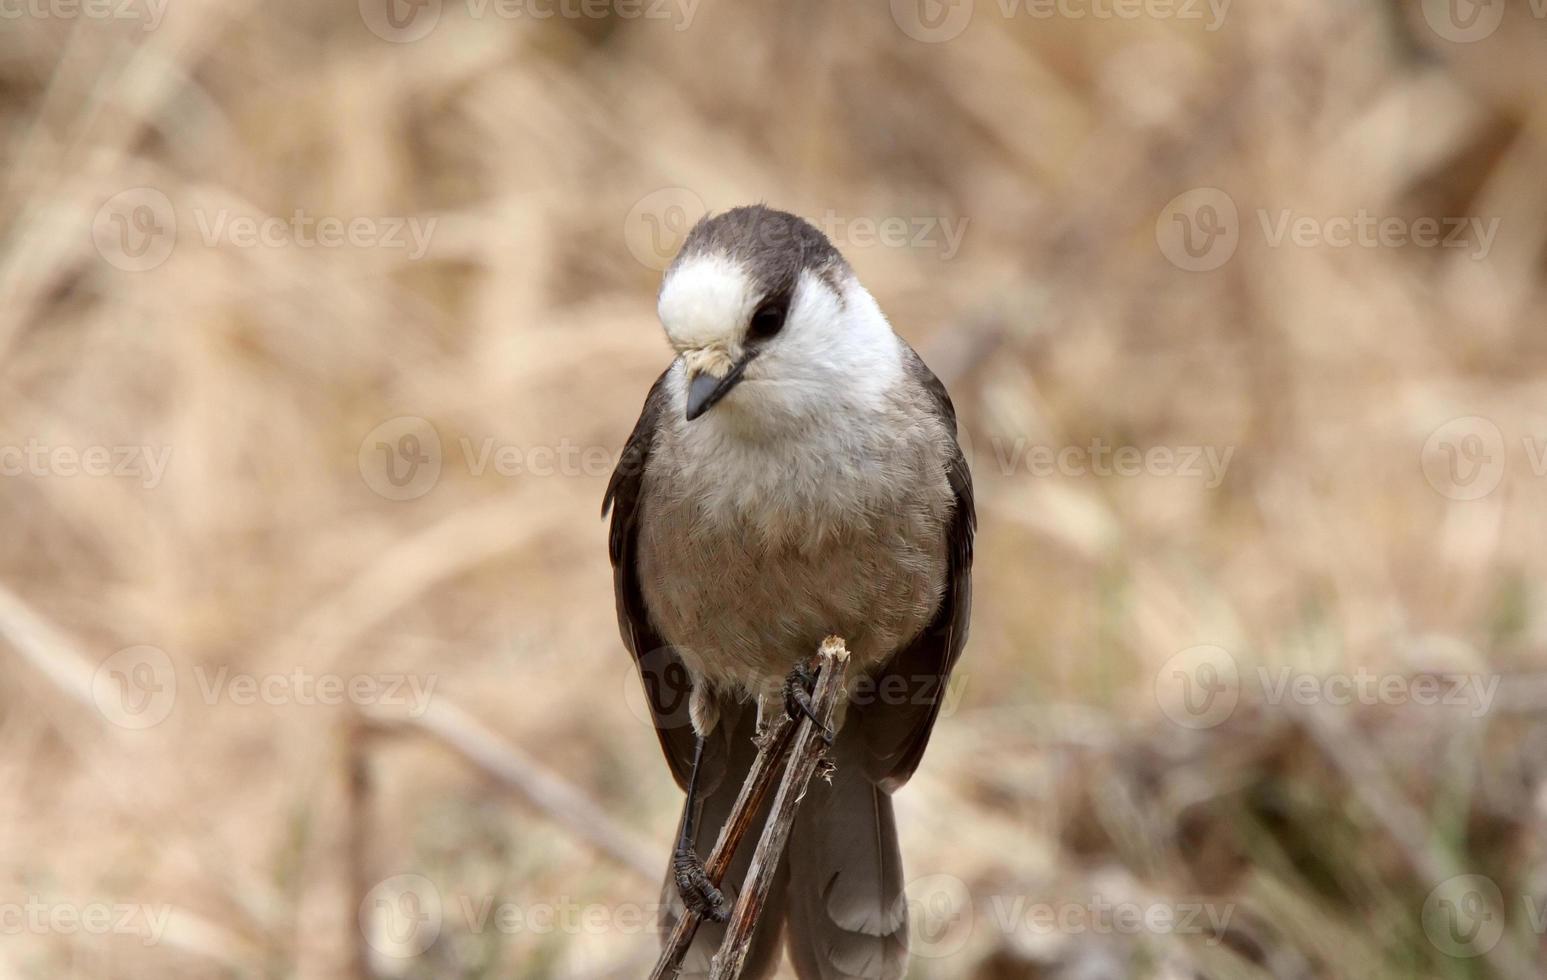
<point>773,744</point>
<point>805,759</point>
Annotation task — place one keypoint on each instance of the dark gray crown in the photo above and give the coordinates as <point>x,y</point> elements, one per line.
<point>773,246</point>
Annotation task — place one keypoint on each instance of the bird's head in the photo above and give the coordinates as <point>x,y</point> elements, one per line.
<point>759,303</point>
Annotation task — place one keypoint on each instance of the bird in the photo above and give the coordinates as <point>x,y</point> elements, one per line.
<point>794,473</point>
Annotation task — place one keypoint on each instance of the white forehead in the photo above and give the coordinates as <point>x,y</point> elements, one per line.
<point>705,300</point>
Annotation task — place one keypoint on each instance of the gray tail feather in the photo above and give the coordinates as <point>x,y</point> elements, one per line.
<point>728,756</point>
<point>846,916</point>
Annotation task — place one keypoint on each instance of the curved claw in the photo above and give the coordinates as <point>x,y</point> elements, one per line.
<point>797,698</point>
<point>698,893</point>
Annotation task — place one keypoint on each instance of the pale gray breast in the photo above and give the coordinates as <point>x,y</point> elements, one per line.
<point>751,554</point>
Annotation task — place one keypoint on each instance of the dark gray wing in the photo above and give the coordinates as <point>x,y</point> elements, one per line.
<point>896,734</point>
<point>667,685</point>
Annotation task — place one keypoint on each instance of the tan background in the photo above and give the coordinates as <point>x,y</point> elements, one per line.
<point>550,164</point>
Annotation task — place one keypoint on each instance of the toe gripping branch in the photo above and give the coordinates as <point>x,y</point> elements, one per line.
<point>790,751</point>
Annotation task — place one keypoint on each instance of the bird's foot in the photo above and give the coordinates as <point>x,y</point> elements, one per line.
<point>798,687</point>
<point>698,893</point>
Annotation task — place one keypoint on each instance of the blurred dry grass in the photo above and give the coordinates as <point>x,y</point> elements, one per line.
<point>1055,144</point>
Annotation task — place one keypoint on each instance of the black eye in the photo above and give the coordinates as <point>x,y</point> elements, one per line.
<point>767,321</point>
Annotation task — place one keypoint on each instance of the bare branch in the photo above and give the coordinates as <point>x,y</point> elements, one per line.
<point>773,745</point>
<point>805,758</point>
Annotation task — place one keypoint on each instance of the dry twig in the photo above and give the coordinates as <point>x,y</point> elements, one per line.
<point>805,759</point>
<point>773,745</point>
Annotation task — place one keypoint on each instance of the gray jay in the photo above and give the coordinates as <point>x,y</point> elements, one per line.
<point>794,473</point>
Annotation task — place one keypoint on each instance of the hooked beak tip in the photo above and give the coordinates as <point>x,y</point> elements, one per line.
<point>701,394</point>
<point>705,390</point>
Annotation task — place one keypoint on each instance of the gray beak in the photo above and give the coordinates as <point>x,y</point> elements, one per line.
<point>705,390</point>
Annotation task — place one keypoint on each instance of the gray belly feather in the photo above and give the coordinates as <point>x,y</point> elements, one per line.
<point>747,583</point>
